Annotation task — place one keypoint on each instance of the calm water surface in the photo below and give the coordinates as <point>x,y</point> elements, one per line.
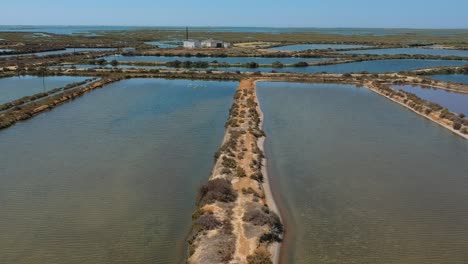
<point>455,102</point>
<point>301,47</point>
<point>411,51</point>
<point>107,66</point>
<point>110,177</point>
<point>457,78</point>
<point>378,66</point>
<point>231,60</point>
<point>65,51</point>
<point>364,180</point>
<point>13,88</point>
<point>162,45</point>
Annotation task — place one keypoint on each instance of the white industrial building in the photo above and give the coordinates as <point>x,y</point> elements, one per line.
<point>209,43</point>
<point>192,44</point>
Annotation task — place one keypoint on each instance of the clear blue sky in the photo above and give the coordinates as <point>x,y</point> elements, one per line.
<point>287,13</point>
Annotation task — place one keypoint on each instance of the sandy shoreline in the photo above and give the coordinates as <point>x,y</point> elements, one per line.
<point>275,248</point>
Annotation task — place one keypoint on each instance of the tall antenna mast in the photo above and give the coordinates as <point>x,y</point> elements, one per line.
<point>186,33</point>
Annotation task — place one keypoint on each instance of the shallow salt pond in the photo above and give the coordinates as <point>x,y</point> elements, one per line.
<point>12,88</point>
<point>163,45</point>
<point>411,51</point>
<point>455,102</point>
<point>107,66</point>
<point>231,60</point>
<point>456,78</point>
<point>57,52</point>
<point>362,179</point>
<point>301,47</point>
<point>378,66</point>
<point>111,176</point>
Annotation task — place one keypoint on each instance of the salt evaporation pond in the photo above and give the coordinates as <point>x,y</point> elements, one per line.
<point>110,177</point>
<point>364,180</point>
<point>12,88</point>
<point>377,66</point>
<point>456,78</point>
<point>411,51</point>
<point>163,45</point>
<point>301,47</point>
<point>231,60</point>
<point>107,66</point>
<point>58,52</point>
<point>455,102</point>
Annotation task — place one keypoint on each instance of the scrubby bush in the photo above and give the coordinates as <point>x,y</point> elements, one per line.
<point>225,171</point>
<point>257,176</point>
<point>240,172</point>
<point>208,222</point>
<point>277,64</point>
<point>252,65</point>
<point>264,216</point>
<point>225,251</point>
<point>175,64</point>
<point>301,64</point>
<point>229,163</point>
<point>259,258</point>
<point>457,126</point>
<point>187,64</point>
<point>270,238</point>
<point>227,227</point>
<point>347,75</point>
<point>216,190</point>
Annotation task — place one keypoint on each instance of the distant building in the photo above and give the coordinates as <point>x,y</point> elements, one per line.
<point>192,44</point>
<point>209,43</point>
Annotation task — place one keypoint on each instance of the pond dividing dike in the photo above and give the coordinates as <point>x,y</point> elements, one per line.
<point>237,219</point>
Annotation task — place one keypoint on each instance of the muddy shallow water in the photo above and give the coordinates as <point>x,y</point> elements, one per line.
<point>110,177</point>
<point>362,179</point>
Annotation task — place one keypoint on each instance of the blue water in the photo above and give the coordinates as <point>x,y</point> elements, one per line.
<point>56,52</point>
<point>66,30</point>
<point>455,102</point>
<point>363,179</point>
<point>108,66</point>
<point>456,78</point>
<point>110,177</point>
<point>13,88</point>
<point>162,45</point>
<point>301,47</point>
<point>411,51</point>
<point>379,66</point>
<point>231,60</point>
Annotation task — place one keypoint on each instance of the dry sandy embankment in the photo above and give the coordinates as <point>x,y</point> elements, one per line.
<point>237,220</point>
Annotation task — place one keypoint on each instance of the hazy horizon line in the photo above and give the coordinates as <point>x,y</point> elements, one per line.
<point>230,26</point>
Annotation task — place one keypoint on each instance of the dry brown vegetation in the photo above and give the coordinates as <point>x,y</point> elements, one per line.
<point>234,196</point>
